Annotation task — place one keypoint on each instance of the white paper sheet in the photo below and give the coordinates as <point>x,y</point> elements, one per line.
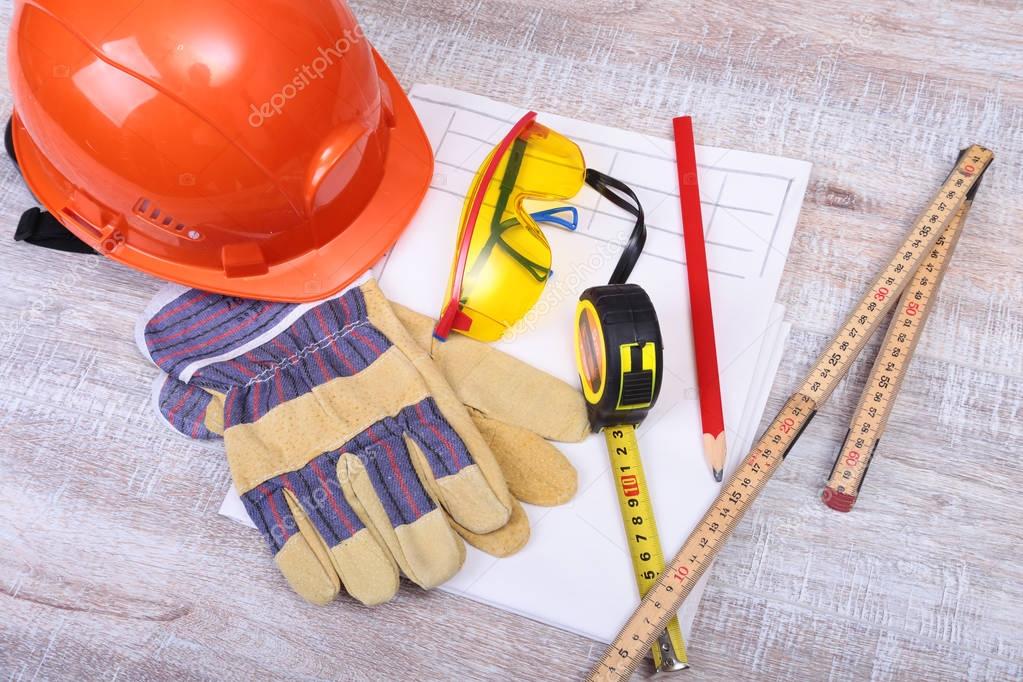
<point>575,573</point>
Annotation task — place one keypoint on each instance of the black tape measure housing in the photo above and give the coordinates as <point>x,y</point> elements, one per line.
<point>620,360</point>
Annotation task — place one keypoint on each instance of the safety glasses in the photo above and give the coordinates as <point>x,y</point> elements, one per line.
<point>503,259</point>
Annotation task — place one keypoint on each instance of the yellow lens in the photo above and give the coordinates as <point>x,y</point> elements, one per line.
<point>509,259</point>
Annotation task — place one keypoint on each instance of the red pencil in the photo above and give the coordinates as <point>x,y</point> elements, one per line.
<point>699,299</point>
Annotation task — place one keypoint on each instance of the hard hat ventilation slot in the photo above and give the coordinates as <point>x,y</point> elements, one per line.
<point>79,220</point>
<point>148,211</point>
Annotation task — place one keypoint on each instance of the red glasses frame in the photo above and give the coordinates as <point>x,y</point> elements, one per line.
<point>452,317</point>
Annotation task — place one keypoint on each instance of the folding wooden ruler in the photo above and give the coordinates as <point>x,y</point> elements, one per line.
<point>936,230</point>
<point>890,367</point>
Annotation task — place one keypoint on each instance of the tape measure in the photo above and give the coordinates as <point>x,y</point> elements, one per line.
<point>663,600</point>
<point>619,357</point>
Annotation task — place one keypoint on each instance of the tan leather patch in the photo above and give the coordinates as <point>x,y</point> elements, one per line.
<point>536,471</point>
<point>504,541</point>
<point>304,572</point>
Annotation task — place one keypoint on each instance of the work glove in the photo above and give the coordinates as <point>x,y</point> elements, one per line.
<point>345,441</point>
<point>517,409</point>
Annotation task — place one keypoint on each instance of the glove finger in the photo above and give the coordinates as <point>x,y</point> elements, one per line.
<point>449,470</point>
<point>380,481</point>
<point>504,541</point>
<point>501,386</point>
<point>306,571</point>
<point>336,533</point>
<point>188,409</point>
<point>536,471</point>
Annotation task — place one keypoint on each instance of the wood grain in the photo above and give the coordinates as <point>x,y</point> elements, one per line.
<point>114,563</point>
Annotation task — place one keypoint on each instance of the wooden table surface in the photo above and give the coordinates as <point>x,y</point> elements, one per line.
<point>115,564</point>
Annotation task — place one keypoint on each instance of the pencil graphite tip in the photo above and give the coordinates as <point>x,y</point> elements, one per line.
<point>714,451</point>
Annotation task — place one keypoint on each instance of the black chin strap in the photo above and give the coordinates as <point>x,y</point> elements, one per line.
<point>613,190</point>
<point>38,227</point>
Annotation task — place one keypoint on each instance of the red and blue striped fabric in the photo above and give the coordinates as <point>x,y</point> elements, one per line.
<point>184,407</point>
<point>198,325</point>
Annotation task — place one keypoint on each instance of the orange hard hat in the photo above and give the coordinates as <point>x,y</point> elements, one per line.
<point>259,149</point>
